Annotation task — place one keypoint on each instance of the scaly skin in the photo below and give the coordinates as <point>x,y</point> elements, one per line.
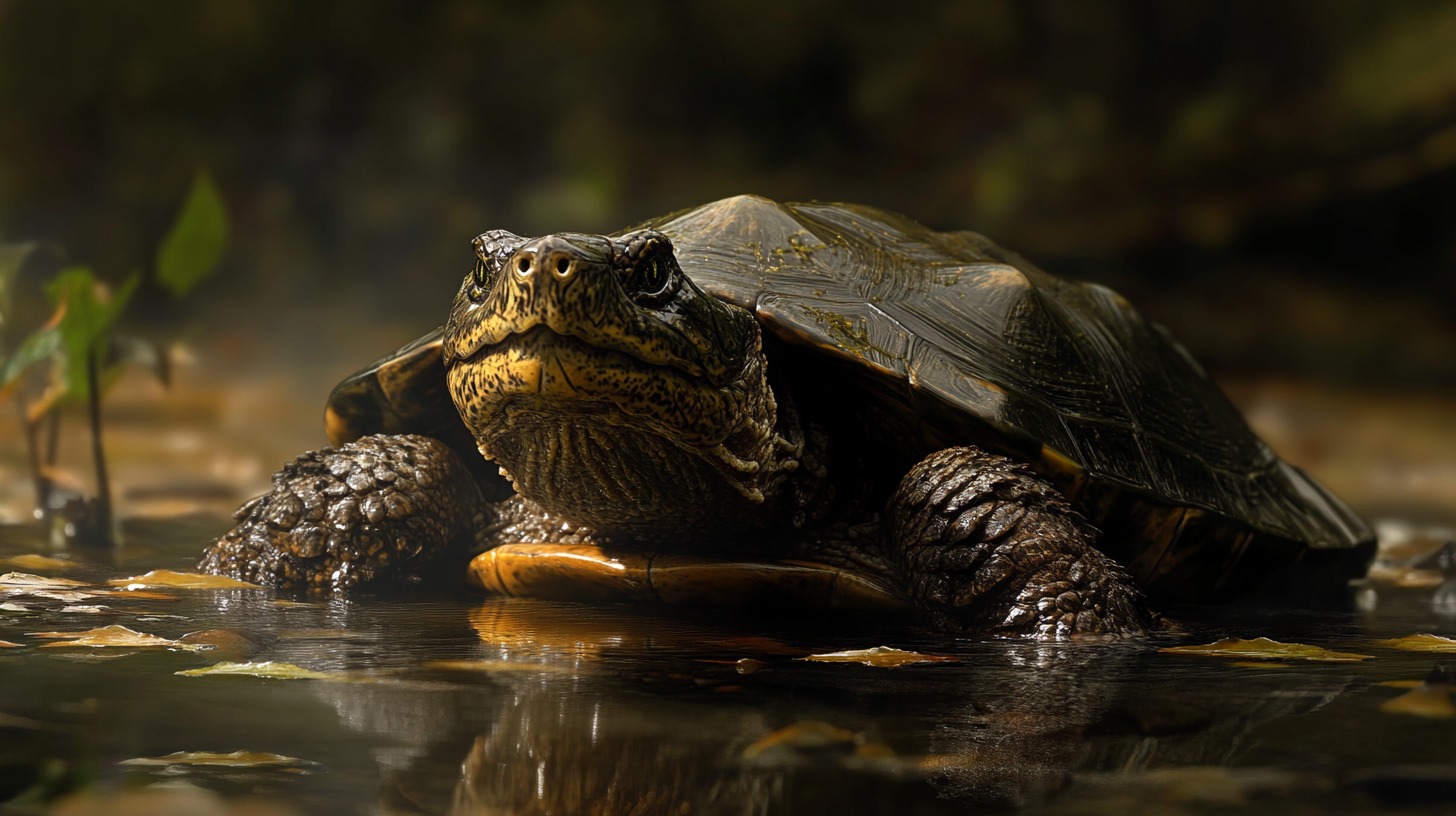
<point>380,511</point>
<point>632,410</point>
<point>982,544</point>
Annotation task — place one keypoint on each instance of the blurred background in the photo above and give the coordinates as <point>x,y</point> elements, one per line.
<point>1275,181</point>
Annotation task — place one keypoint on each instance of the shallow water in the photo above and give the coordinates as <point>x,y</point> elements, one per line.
<point>474,705</point>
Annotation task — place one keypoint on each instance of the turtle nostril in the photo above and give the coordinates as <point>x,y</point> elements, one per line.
<point>523,266</point>
<point>562,266</point>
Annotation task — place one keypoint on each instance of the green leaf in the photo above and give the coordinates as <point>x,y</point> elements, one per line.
<point>39,346</point>
<point>195,243</point>
<point>89,313</point>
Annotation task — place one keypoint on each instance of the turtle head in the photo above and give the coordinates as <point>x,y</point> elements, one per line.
<point>609,387</point>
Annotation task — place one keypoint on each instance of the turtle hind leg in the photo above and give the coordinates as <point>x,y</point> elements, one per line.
<point>982,544</point>
<point>382,511</point>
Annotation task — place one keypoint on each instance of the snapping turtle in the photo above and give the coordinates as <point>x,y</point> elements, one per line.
<point>824,403</point>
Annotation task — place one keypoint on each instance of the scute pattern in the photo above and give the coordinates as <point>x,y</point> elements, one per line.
<point>1033,359</point>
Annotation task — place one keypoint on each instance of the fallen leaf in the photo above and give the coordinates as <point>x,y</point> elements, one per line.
<point>172,579</point>
<point>236,759</point>
<point>5,644</point>
<point>80,609</point>
<point>1420,643</point>
<point>881,656</point>
<point>32,561</point>
<point>67,596</point>
<point>15,607</point>
<point>140,595</point>
<point>112,636</point>
<point>1265,649</point>
<point>266,669</point>
<point>25,580</point>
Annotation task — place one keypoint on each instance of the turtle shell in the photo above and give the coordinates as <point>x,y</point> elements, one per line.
<point>965,341</point>
<point>977,344</point>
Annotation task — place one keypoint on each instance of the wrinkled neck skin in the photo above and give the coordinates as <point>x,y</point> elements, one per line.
<point>635,482</point>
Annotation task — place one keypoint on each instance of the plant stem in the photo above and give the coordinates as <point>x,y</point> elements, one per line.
<point>32,448</point>
<point>98,453</point>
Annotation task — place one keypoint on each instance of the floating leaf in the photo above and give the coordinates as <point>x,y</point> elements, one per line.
<point>113,636</point>
<point>36,562</point>
<point>173,579</point>
<point>140,594</point>
<point>5,644</point>
<point>881,656</point>
<point>236,759</point>
<point>66,596</point>
<point>196,241</point>
<point>25,580</point>
<point>1420,643</point>
<point>266,669</point>
<point>1265,649</point>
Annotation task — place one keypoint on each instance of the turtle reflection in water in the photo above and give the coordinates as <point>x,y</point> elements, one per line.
<point>824,403</point>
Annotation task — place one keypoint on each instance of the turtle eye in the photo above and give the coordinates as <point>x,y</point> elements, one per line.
<point>652,276</point>
<point>482,278</point>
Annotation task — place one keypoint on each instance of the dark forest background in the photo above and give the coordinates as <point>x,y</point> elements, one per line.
<point>1275,180</point>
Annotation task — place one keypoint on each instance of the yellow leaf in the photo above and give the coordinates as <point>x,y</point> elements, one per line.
<point>180,580</point>
<point>236,759</point>
<point>5,644</point>
<point>113,636</point>
<point>1266,649</point>
<point>32,561</point>
<point>267,669</point>
<point>1420,643</point>
<point>880,656</point>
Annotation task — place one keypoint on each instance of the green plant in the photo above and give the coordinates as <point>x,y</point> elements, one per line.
<point>74,355</point>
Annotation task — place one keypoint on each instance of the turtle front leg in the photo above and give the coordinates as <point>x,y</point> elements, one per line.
<point>984,545</point>
<point>380,511</point>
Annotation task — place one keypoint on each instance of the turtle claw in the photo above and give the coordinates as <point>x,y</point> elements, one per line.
<point>378,511</point>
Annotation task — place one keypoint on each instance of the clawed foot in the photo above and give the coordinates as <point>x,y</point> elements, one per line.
<point>383,510</point>
<point>985,545</point>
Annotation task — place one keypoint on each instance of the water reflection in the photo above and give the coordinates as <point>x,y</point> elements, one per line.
<point>464,705</point>
<point>603,711</point>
